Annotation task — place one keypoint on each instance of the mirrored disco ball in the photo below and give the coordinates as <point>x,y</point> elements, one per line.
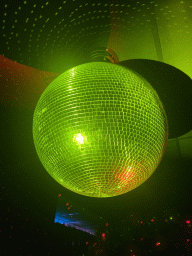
<point>100,130</point>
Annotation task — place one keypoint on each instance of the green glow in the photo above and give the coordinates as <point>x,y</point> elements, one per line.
<point>100,130</point>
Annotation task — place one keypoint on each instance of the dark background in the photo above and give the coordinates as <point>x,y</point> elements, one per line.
<point>157,211</point>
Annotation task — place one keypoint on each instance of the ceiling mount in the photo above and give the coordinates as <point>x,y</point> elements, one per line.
<point>102,54</point>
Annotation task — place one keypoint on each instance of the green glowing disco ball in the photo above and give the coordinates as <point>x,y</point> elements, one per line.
<point>100,130</point>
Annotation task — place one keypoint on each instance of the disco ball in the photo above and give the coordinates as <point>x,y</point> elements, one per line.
<point>100,130</point>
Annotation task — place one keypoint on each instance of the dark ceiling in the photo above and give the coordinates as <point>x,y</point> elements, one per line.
<point>55,35</point>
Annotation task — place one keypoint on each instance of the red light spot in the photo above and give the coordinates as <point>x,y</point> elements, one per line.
<point>106,224</point>
<point>188,222</point>
<point>59,195</point>
<point>67,203</point>
<point>103,236</point>
<point>125,175</point>
<point>87,243</point>
<point>152,220</point>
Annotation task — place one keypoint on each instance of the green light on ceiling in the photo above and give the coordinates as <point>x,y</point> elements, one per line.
<point>100,129</point>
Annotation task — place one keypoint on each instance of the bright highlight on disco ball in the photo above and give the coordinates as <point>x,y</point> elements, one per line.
<point>100,129</point>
